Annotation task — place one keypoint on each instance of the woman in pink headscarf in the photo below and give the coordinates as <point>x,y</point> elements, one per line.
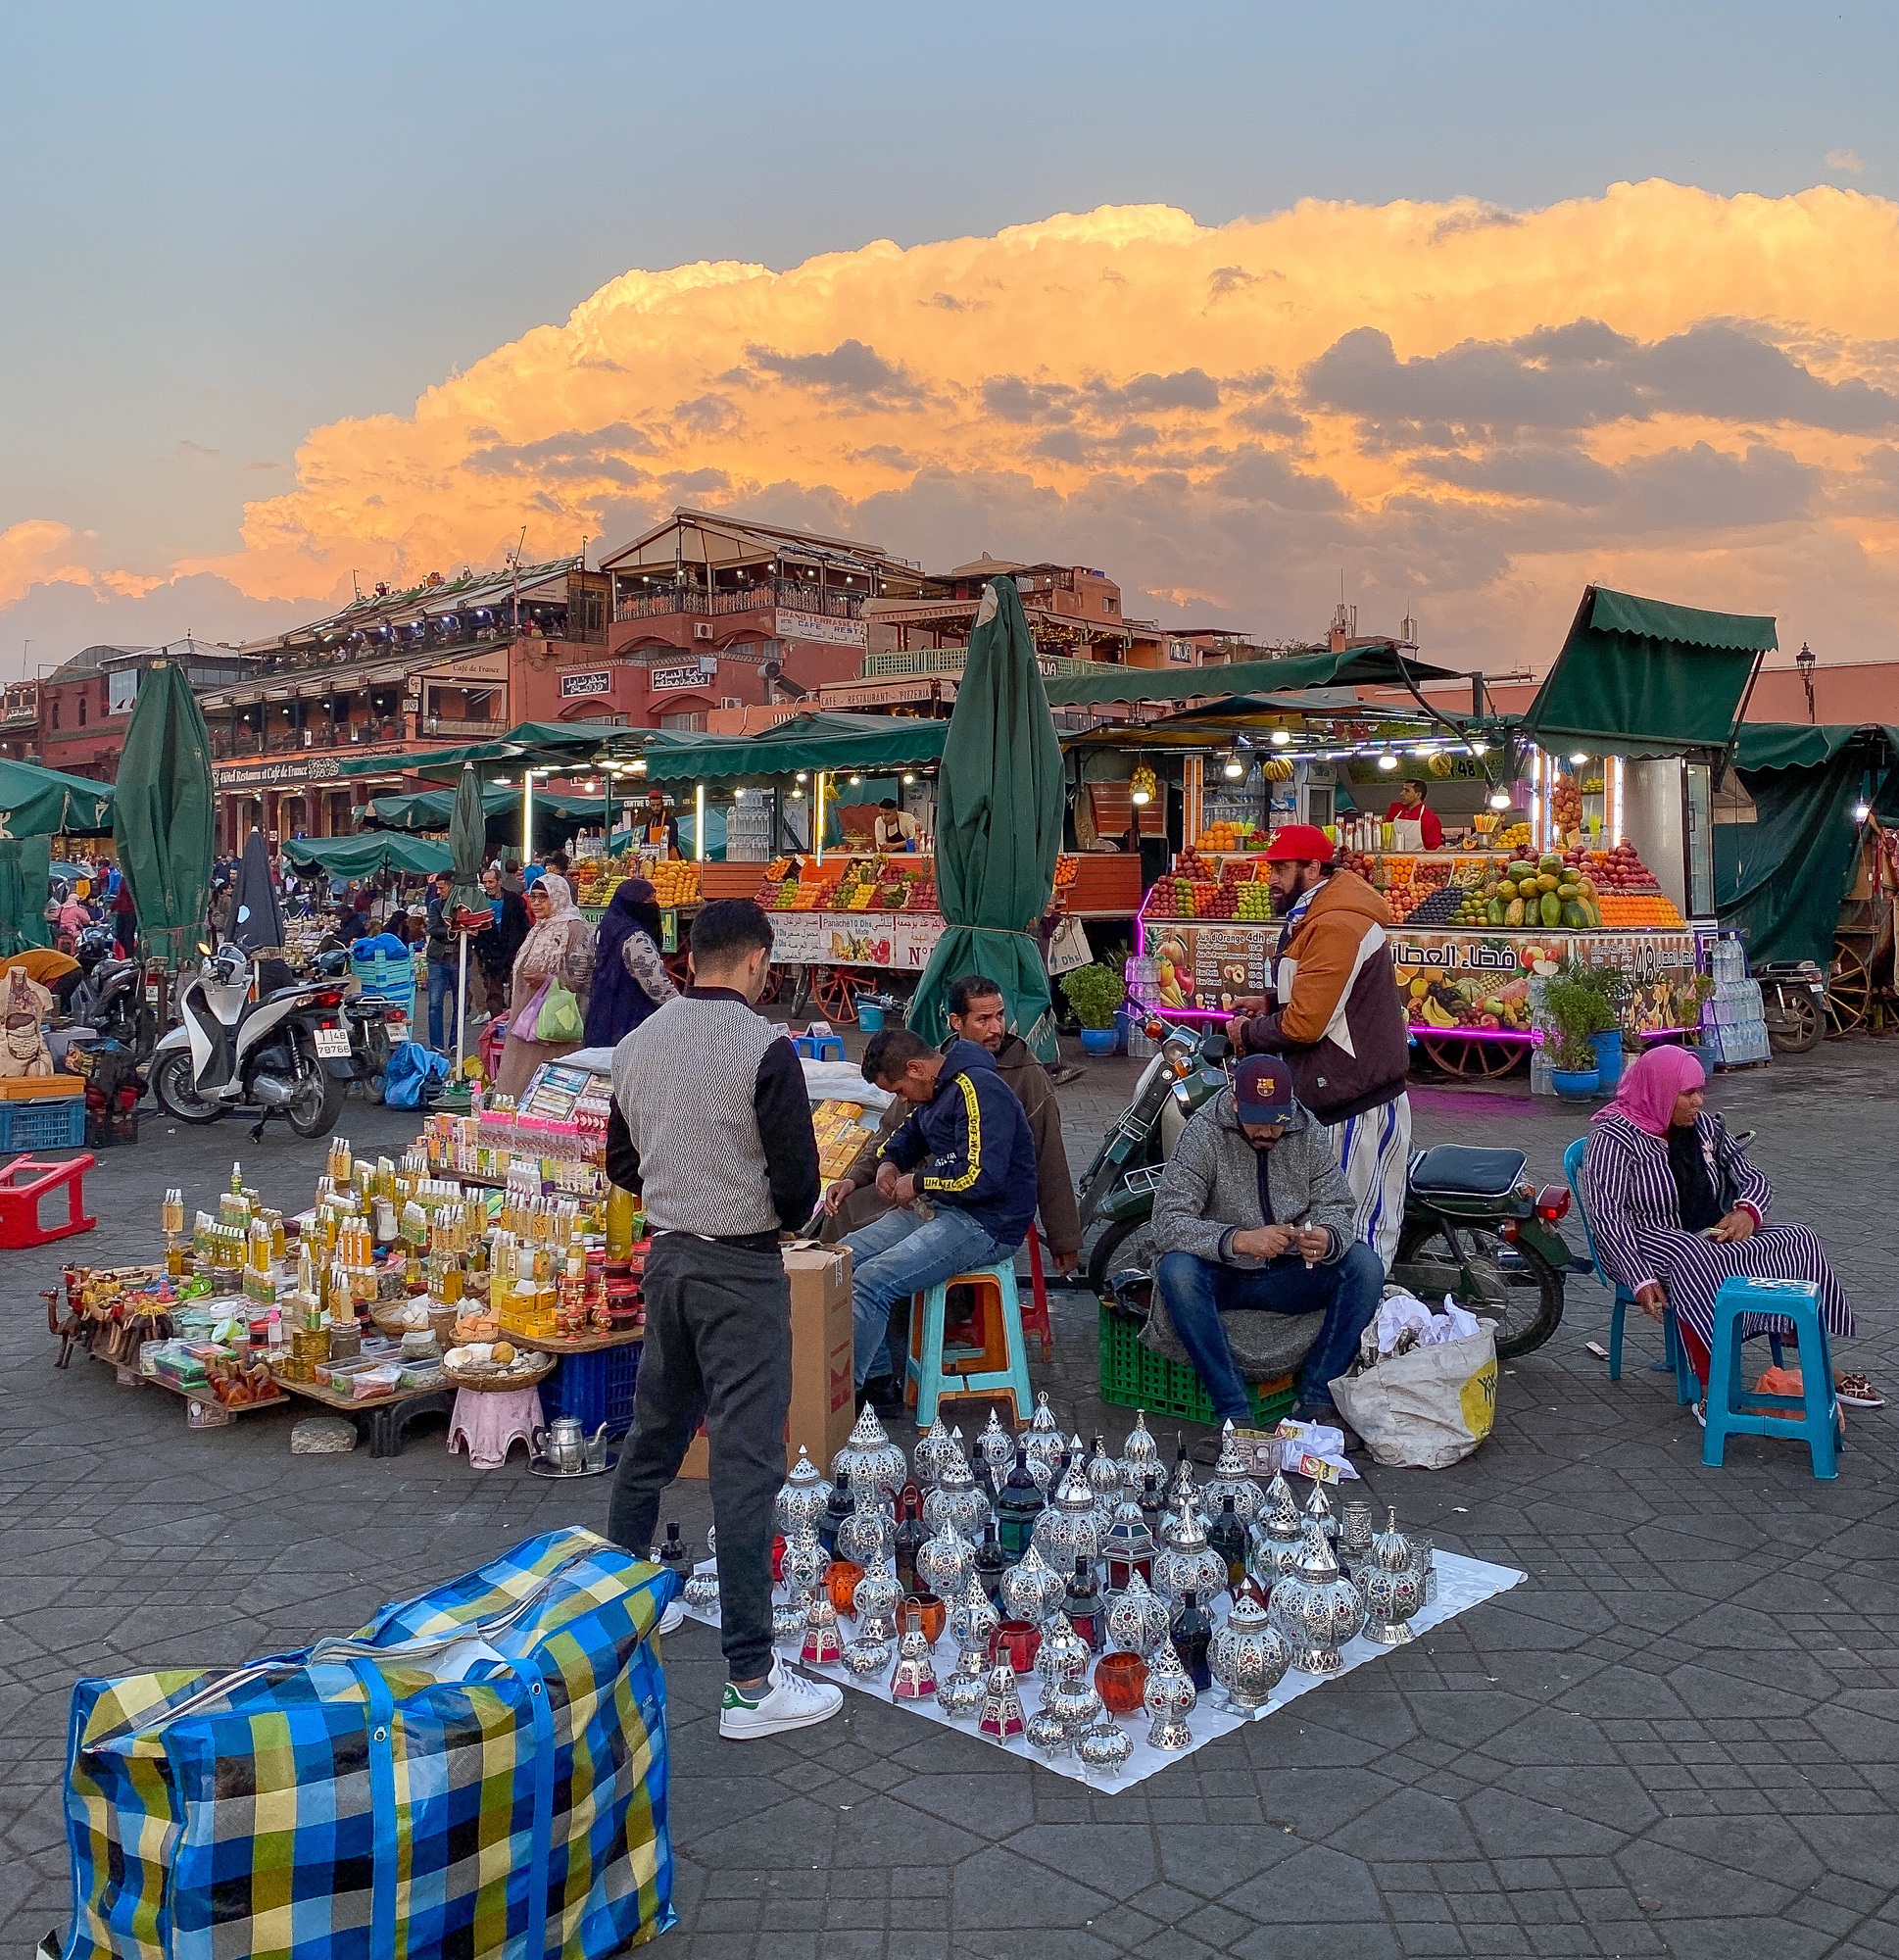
<point>1676,1208</point>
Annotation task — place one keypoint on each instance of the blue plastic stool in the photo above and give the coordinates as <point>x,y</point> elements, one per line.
<point>1818,1422</point>
<point>1007,1370</point>
<point>819,1048</point>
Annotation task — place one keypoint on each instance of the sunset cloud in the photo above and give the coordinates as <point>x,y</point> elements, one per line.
<point>1470,410</point>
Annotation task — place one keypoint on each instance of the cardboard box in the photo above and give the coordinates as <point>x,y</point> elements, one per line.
<point>823,1401</point>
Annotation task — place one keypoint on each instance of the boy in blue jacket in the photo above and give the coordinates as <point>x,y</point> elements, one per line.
<point>961,1173</point>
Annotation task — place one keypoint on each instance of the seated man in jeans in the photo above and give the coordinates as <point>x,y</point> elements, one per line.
<point>1253,1211</point>
<point>962,1173</point>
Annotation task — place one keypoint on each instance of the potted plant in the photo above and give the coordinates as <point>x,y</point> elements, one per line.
<point>1572,1013</point>
<point>1094,992</point>
<point>1616,986</point>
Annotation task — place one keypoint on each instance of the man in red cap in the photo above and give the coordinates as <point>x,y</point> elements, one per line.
<point>1340,1023</point>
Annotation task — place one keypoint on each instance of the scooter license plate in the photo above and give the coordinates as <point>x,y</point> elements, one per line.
<point>333,1044</point>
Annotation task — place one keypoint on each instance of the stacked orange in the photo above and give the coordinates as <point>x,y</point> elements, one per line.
<point>1636,908</point>
<point>675,882</point>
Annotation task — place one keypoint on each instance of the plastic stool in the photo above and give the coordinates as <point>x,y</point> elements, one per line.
<point>1001,1365</point>
<point>819,1048</point>
<point>1817,1421</point>
<point>20,1226</point>
<point>1035,1316</point>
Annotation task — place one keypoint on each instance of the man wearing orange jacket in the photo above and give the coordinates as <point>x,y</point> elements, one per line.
<point>1340,1023</point>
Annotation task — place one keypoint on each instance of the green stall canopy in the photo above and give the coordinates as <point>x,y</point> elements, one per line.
<point>1378,666</point>
<point>1781,877</point>
<point>1639,677</point>
<point>832,742</point>
<point>46,802</point>
<point>370,852</point>
<point>25,866</point>
<point>431,809</point>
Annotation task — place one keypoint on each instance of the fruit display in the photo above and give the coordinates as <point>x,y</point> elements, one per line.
<point>1226,837</point>
<point>1198,889</point>
<point>675,883</point>
<point>1566,808</point>
<point>1619,870</point>
<point>876,884</point>
<point>1486,1002</point>
<point>1513,837</point>
<point>1624,910</point>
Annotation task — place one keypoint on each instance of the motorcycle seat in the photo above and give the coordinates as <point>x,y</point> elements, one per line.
<point>1457,1170</point>
<point>273,976</point>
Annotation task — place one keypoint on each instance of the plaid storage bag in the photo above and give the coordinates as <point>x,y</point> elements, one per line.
<point>480,1770</point>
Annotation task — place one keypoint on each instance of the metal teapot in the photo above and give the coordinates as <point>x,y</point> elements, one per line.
<point>568,1448</point>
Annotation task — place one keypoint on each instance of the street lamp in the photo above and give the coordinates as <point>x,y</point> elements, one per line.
<point>1806,660</point>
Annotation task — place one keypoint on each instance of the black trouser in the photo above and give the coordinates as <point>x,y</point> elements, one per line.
<point>717,1345</point>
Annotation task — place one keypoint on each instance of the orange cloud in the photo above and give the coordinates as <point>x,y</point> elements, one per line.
<point>1470,410</point>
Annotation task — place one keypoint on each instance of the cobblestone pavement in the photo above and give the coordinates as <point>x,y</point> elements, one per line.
<point>1680,1737</point>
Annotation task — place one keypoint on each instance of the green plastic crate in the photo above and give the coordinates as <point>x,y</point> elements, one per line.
<point>1134,1376</point>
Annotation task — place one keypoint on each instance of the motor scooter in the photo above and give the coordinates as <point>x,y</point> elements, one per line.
<point>1476,1226</point>
<point>1793,1004</point>
<point>251,1035</point>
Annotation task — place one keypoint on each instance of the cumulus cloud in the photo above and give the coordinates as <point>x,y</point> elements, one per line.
<point>1471,410</point>
<point>1849,161</point>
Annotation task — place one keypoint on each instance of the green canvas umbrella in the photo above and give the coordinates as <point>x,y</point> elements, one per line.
<point>161,812</point>
<point>998,827</point>
<point>24,869</point>
<point>44,802</point>
<point>468,841</point>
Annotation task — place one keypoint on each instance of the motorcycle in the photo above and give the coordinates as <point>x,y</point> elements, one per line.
<point>1793,1004</point>
<point>1476,1226</point>
<point>262,1040</point>
<point>110,998</point>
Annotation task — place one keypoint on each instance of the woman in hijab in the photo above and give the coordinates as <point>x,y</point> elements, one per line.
<point>1676,1206</point>
<point>559,946</point>
<point>630,977</point>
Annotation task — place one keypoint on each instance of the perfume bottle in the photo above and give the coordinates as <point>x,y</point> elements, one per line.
<point>911,1532</point>
<point>1192,1633</point>
<point>991,1562</point>
<point>1021,1502</point>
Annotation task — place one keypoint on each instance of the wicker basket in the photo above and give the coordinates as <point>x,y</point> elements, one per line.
<point>502,1381</point>
<point>385,1317</point>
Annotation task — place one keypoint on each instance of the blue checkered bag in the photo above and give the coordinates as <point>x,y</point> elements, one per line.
<point>480,1770</point>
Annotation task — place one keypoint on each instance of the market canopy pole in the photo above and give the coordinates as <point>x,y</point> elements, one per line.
<point>161,812</point>
<point>998,827</point>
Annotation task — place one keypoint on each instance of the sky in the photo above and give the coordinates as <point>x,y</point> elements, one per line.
<point>1463,306</point>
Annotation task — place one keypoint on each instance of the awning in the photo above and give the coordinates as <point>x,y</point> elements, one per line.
<point>44,802</point>
<point>431,809</point>
<point>369,852</point>
<point>832,742</point>
<point>1638,677</point>
<point>1380,665</point>
<point>1794,745</point>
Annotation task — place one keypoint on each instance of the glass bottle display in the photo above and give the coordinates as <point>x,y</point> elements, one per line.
<point>1018,1507</point>
<point>838,1507</point>
<point>991,1562</point>
<point>1192,1634</point>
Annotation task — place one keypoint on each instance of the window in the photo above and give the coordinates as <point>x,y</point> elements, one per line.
<point>693,724</point>
<point>82,710</point>
<point>56,711</point>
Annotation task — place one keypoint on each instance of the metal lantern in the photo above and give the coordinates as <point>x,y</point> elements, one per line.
<point>1169,1700</point>
<point>1073,1701</point>
<point>1188,1563</point>
<point>996,1449</point>
<point>915,1675</point>
<point>802,1498</point>
<point>701,1590</point>
<point>821,1644</point>
<point>957,1501</point>
<point>867,1536</point>
<point>1277,1536</point>
<point>804,1566</point>
<point>1139,1620</point>
<point>1031,1589</point>
<point>1139,1455</point>
<point>1069,1528</point>
<point>1320,1515</point>
<point>932,1450</point>
<point>1105,1747</point>
<point>1043,1442</point>
<point>1062,1651</point>
<point>876,1601</point>
<point>973,1617</point>
<point>1104,1478</point>
<point>1248,1658</point>
<point>1080,1463</point>
<point>1316,1607</point>
<point>1049,1732</point>
<point>945,1560</point>
<point>1355,1534</point>
<point>874,1461</point>
<point>788,1622</point>
<point>1230,1479</point>
<point>1391,1588</point>
<point>865,1656</point>
<point>1180,1486</point>
<point>960,1691</point>
<point>1002,1715</point>
<point>1128,1547</point>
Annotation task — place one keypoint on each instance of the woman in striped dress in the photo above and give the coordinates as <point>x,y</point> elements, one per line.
<point>1676,1208</point>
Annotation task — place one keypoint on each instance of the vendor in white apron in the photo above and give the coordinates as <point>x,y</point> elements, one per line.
<point>1424,832</point>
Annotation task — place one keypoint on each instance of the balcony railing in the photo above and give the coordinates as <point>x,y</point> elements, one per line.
<point>463,730</point>
<point>794,595</point>
<point>951,661</point>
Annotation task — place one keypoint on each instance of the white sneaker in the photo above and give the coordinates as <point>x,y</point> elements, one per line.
<point>791,1702</point>
<point>672,1619</point>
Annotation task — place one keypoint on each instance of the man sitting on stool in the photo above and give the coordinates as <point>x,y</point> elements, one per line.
<point>966,1152</point>
<point>1253,1211</point>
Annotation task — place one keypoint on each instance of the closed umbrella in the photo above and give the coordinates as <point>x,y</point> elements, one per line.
<point>998,827</point>
<point>468,841</point>
<point>161,812</point>
<point>256,916</point>
<point>23,866</point>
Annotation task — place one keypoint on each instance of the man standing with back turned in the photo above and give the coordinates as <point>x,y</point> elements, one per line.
<point>711,1122</point>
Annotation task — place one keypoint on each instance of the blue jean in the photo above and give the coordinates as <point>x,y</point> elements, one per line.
<point>901,1253</point>
<point>441,989</point>
<point>1199,1290</point>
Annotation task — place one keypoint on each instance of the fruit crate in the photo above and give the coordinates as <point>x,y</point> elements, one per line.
<point>1134,1376</point>
<point>57,1125</point>
<point>593,1389</point>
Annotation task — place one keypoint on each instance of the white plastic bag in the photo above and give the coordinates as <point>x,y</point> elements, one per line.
<point>1427,1409</point>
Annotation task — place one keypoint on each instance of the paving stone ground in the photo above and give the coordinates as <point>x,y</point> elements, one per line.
<point>1680,1737</point>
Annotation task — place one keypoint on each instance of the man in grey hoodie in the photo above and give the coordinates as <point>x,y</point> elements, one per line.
<point>1253,1211</point>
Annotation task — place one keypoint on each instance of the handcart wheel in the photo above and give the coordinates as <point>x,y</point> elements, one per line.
<point>774,984</point>
<point>1849,989</point>
<point>676,970</point>
<point>1471,1059</point>
<point>836,989</point>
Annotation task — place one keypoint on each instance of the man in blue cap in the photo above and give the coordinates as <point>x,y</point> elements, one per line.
<point>1254,1212</point>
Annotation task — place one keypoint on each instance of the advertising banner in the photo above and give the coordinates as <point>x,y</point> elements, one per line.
<point>899,941</point>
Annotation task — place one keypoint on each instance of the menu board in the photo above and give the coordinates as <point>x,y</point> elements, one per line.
<point>899,941</point>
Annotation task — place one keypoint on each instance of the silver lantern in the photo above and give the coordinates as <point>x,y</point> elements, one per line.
<point>1001,1711</point>
<point>701,1590</point>
<point>867,1536</point>
<point>1073,1701</point>
<point>1231,1480</point>
<point>1320,1515</point>
<point>960,1691</point>
<point>1248,1658</point>
<point>1069,1528</point>
<point>1031,1589</point>
<point>1189,1564</point>
<point>1103,1474</point>
<point>916,1673</point>
<point>1278,1537</point>
<point>788,1622</point>
<point>1062,1651</point>
<point>1139,1455</point>
<point>1137,1620</point>
<point>1316,1607</point>
<point>973,1617</point>
<point>876,1600</point>
<point>945,1560</point>
<point>1105,1747</point>
<point>1354,1534</point>
<point>957,1501</point>
<point>931,1452</point>
<point>1049,1732</point>
<point>802,1497</point>
<point>1391,1587</point>
<point>1129,1549</point>
<point>1168,1698</point>
<point>874,1461</point>
<point>822,1642</point>
<point>1043,1442</point>
<point>996,1449</point>
<point>1184,1484</point>
<point>804,1566</point>
<point>865,1656</point>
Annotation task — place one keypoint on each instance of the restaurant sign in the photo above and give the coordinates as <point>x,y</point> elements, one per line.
<point>277,776</point>
<point>817,628</point>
